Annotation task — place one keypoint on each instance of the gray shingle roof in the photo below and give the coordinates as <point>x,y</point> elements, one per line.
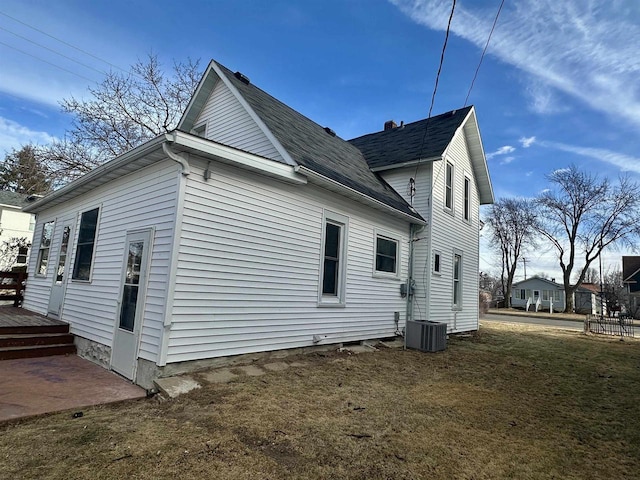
<point>311,146</point>
<point>405,144</point>
<point>13,198</point>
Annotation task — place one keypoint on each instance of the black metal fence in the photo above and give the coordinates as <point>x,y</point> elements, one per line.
<point>621,326</point>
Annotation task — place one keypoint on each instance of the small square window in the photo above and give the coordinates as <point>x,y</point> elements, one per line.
<point>386,255</point>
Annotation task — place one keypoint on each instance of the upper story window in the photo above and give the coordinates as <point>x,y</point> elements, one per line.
<point>45,247</point>
<point>86,243</point>
<point>448,189</point>
<point>467,198</point>
<point>333,266</point>
<point>457,281</point>
<point>386,255</point>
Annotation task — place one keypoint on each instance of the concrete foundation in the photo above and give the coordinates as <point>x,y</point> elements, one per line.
<point>93,351</point>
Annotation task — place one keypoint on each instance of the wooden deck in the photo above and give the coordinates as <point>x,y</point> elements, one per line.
<point>11,316</point>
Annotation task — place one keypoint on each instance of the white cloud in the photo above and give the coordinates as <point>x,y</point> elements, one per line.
<point>507,160</point>
<point>505,150</point>
<point>586,49</point>
<point>526,142</point>
<point>624,162</point>
<point>14,135</point>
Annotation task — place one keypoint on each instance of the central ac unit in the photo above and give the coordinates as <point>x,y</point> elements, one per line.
<point>426,336</point>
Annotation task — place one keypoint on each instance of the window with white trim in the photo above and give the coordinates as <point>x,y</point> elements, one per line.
<point>467,198</point>
<point>448,188</point>
<point>436,262</point>
<point>457,281</point>
<point>334,258</point>
<point>45,247</point>
<point>86,244</point>
<point>386,258</point>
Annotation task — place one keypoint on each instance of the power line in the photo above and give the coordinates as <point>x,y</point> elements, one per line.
<point>48,62</point>
<point>435,87</point>
<point>54,51</point>
<point>64,42</point>
<point>495,21</point>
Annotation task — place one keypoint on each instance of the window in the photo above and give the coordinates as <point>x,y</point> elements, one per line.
<point>23,252</point>
<point>436,262</point>
<point>32,223</point>
<point>200,130</point>
<point>333,266</point>
<point>545,295</point>
<point>45,246</point>
<point>457,281</point>
<point>86,241</point>
<point>386,255</point>
<point>523,294</point>
<point>467,199</point>
<point>448,190</point>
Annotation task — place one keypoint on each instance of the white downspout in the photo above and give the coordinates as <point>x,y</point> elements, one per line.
<point>181,158</point>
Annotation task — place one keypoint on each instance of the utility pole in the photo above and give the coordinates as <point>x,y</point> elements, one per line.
<point>524,260</point>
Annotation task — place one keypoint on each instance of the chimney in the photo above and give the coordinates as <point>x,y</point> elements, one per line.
<point>390,125</point>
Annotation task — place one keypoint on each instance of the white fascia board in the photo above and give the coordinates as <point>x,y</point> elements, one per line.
<point>98,172</point>
<point>411,163</point>
<point>238,158</point>
<point>481,162</point>
<point>324,181</point>
<point>278,146</point>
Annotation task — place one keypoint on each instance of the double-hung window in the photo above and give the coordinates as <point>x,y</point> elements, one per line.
<point>45,247</point>
<point>457,281</point>
<point>333,265</point>
<point>448,188</point>
<point>436,262</point>
<point>467,199</point>
<point>386,255</point>
<point>86,244</point>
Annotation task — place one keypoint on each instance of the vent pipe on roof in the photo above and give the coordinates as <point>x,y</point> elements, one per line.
<point>390,125</point>
<point>329,131</point>
<point>243,78</point>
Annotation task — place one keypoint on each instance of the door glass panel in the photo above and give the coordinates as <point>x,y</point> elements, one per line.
<point>62,258</point>
<point>131,285</point>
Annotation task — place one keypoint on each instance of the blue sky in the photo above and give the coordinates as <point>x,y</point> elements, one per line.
<point>559,84</point>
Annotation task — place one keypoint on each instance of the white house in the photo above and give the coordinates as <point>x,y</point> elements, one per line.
<point>251,228</point>
<point>16,229</point>
<point>548,293</point>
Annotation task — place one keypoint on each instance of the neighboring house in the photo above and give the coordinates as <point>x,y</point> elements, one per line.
<point>533,289</point>
<point>551,294</point>
<point>631,281</point>
<point>16,230</point>
<point>251,228</point>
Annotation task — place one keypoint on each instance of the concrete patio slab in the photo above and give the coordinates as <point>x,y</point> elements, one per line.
<point>222,375</point>
<point>33,386</point>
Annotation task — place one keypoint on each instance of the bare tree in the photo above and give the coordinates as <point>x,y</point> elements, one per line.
<point>513,224</point>
<point>123,111</point>
<point>591,275</point>
<point>581,215</point>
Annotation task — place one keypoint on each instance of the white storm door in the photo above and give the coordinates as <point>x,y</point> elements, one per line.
<point>60,273</point>
<point>131,305</point>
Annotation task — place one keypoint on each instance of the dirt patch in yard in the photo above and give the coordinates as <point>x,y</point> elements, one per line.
<point>512,401</point>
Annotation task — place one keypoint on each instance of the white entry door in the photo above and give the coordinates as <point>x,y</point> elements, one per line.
<point>131,305</point>
<point>60,273</point>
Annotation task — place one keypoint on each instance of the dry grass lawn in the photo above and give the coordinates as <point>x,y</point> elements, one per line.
<point>512,401</point>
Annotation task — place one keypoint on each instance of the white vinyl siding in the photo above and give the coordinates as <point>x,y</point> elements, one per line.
<point>249,268</point>
<point>450,232</point>
<point>399,179</point>
<point>228,122</point>
<point>146,198</point>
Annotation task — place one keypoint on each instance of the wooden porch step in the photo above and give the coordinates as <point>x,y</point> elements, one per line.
<point>10,353</point>
<point>26,340</point>
<point>33,329</point>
